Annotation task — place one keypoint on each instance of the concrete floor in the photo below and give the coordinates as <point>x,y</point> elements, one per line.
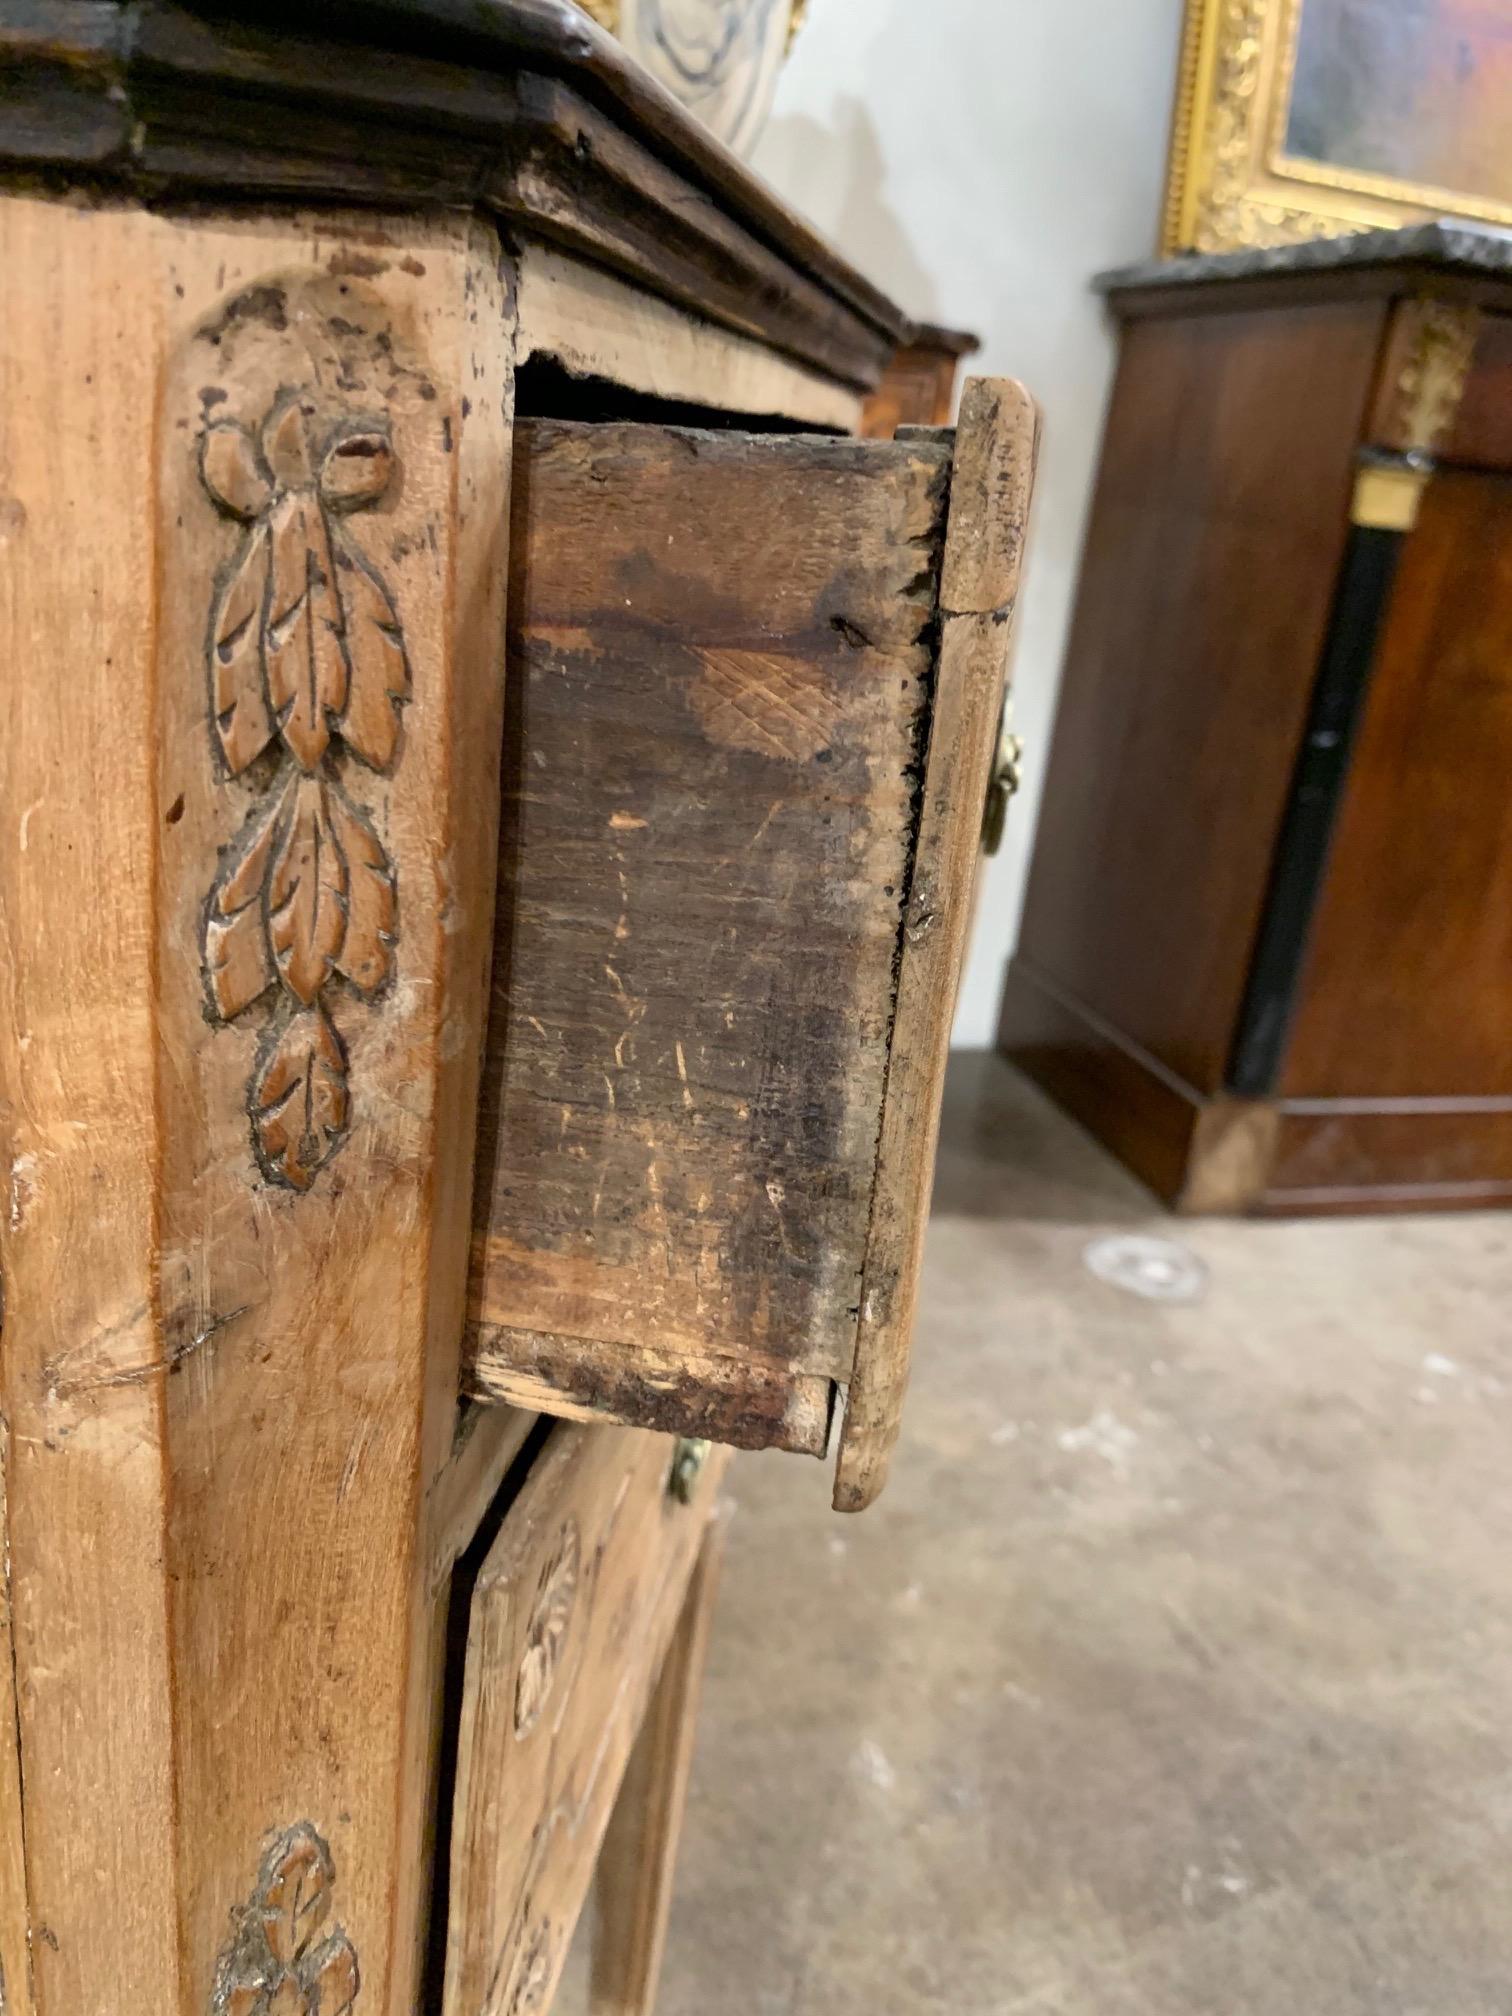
<point>1173,1672</point>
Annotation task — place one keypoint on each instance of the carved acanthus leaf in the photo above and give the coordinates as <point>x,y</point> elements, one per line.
<point>300,1104</point>
<point>365,955</point>
<point>307,886</point>
<point>303,650</point>
<point>305,646</point>
<point>380,675</point>
<point>272,1964</point>
<point>238,697</point>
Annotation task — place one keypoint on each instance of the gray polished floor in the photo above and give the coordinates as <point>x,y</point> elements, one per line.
<point>1172,1674</point>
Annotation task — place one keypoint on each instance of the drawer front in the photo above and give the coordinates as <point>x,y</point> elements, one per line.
<point>754,684</point>
<point>572,1613</point>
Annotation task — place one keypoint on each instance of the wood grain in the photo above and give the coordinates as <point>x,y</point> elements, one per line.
<point>572,1614</point>
<point>1482,434</point>
<point>918,383</point>
<point>598,326</point>
<point>1390,1155</point>
<point>992,481</point>
<point>572,174</point>
<point>637,1863</point>
<point>523,107</point>
<point>1404,992</point>
<point>228,1400</point>
<point>722,662</point>
<point>1217,527</point>
<point>746,1402</point>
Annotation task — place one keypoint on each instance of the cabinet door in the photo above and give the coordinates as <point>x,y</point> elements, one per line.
<point>753,698</point>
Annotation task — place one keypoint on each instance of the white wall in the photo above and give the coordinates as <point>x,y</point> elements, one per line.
<point>980,160</point>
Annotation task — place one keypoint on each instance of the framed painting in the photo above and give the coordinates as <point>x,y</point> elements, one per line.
<point>1303,118</point>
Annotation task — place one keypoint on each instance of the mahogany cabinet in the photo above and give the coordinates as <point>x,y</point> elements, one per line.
<point>493,768</point>
<point>918,384</point>
<point>1266,953</point>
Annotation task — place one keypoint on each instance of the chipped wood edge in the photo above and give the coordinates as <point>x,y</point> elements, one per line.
<point>596,326</point>
<point>489,1438</point>
<point>991,484</point>
<point>743,1402</point>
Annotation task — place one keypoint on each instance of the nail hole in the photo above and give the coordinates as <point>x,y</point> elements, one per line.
<point>176,810</point>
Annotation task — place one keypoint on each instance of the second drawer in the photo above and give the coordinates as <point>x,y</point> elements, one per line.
<point>572,1612</point>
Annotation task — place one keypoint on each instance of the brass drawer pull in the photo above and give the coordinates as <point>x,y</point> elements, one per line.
<point>1003,784</point>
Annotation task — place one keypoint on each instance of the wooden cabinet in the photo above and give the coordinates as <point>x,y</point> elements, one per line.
<point>457,657</point>
<point>1265,954</point>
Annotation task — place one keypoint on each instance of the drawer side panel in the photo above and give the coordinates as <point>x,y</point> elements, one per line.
<point>721,656</point>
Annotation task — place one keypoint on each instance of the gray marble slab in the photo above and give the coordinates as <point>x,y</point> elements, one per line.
<point>1447,243</point>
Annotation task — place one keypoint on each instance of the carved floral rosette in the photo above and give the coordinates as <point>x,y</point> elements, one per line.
<point>307,662</point>
<point>275,1962</point>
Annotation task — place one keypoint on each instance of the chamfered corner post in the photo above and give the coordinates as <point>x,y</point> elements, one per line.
<point>255,475</point>
<point>992,480</point>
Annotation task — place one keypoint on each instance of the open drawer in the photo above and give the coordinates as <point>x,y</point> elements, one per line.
<point>754,691</point>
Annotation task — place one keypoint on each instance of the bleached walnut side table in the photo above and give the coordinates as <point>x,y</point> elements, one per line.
<point>490,780</point>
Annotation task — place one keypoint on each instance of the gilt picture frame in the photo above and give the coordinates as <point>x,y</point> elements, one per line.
<point>1307,118</point>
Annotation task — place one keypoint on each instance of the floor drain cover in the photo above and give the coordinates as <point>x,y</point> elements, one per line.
<point>1158,1269</point>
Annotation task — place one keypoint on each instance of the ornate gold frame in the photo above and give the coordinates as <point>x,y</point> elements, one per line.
<point>1229,181</point>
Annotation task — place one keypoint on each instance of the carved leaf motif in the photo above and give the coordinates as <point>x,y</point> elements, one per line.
<point>296,1893</point>
<point>233,470</point>
<point>304,652</point>
<point>299,1101</point>
<point>307,893</point>
<point>238,957</point>
<point>305,643</point>
<point>289,1998</point>
<point>333,1975</point>
<point>242,721</point>
<point>286,444</point>
<point>366,951</point>
<point>356,469</point>
<point>379,669</point>
<point>268,1966</point>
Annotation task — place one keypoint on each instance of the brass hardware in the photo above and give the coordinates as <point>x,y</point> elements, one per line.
<point>1432,381</point>
<point>1003,784</point>
<point>1387,495</point>
<point>688,1459</point>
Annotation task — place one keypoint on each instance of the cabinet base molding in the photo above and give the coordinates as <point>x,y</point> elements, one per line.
<point>1214,1153</point>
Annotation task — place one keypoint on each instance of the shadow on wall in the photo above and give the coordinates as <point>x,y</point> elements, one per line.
<point>843,159</point>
